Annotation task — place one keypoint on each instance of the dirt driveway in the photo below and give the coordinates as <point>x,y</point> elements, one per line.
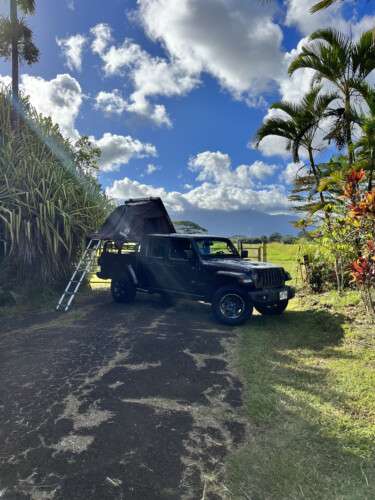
<point>117,402</point>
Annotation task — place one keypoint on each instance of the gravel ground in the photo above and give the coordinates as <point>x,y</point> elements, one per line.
<point>115,401</point>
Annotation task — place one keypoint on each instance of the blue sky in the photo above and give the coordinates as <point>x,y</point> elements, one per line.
<point>174,91</point>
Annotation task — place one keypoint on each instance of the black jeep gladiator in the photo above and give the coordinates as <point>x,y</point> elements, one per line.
<point>199,267</point>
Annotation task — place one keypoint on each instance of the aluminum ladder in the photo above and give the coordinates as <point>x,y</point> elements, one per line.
<point>83,267</point>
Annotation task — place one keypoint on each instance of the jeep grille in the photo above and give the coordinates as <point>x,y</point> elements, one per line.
<point>270,278</point>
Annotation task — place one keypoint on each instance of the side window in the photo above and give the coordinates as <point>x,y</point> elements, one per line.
<point>158,248</point>
<point>180,249</point>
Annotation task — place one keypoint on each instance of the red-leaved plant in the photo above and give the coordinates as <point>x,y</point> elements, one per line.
<point>361,213</point>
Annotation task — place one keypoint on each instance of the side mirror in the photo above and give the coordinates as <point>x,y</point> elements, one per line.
<point>244,254</point>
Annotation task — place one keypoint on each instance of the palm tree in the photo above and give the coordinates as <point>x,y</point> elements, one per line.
<point>323,4</point>
<point>16,41</point>
<point>345,64</point>
<point>300,125</point>
<point>365,146</point>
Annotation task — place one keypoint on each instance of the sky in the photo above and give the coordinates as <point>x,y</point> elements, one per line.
<point>173,91</point>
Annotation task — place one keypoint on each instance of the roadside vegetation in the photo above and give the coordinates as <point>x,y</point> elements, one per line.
<point>335,196</point>
<point>309,396</point>
<point>309,375</point>
<point>49,198</point>
<point>308,380</point>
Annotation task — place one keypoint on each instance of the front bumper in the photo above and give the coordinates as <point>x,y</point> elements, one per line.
<point>271,295</point>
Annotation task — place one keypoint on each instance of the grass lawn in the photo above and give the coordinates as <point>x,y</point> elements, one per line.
<point>285,256</point>
<point>309,388</point>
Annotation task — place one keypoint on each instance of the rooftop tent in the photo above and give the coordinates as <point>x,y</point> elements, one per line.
<point>135,218</point>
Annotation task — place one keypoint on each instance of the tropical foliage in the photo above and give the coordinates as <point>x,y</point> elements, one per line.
<point>49,199</point>
<point>16,43</point>
<point>336,196</point>
<point>299,124</point>
<point>345,64</point>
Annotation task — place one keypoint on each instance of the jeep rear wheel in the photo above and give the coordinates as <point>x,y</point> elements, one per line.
<point>231,306</point>
<point>273,309</point>
<point>123,291</point>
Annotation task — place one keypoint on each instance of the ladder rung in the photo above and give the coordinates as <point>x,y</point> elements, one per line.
<point>83,267</point>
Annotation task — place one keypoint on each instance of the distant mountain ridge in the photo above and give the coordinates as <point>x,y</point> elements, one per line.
<point>244,222</point>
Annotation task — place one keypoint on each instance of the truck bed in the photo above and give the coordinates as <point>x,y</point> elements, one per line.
<point>115,265</point>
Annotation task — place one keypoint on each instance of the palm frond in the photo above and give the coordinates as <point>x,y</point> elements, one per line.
<point>276,126</point>
<point>20,31</point>
<point>27,6</point>
<point>363,55</point>
<point>290,108</point>
<point>323,4</point>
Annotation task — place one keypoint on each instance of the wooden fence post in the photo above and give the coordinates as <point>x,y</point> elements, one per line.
<point>264,251</point>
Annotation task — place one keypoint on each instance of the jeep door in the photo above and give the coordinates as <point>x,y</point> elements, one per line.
<point>153,261</point>
<point>182,266</point>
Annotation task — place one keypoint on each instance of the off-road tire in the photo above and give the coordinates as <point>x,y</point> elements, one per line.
<point>123,291</point>
<point>273,309</point>
<point>225,302</point>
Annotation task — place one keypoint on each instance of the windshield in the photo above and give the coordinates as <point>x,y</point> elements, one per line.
<point>216,247</point>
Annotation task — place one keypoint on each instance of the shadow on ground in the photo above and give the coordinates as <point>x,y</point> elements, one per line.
<point>311,436</point>
<point>115,402</point>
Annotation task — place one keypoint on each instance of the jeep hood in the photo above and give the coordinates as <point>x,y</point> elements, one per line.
<point>239,264</point>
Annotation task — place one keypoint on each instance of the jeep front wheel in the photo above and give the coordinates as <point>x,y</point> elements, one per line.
<point>273,309</point>
<point>123,291</point>
<point>231,306</point>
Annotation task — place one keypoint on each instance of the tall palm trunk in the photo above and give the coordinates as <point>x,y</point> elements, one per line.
<point>370,177</point>
<point>348,130</point>
<point>15,63</point>
<point>316,173</point>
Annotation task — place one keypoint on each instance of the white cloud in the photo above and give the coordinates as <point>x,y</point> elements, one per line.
<point>118,150</point>
<point>223,38</point>
<point>71,5</point>
<point>292,171</point>
<point>127,188</point>
<point>235,41</point>
<point>72,48</point>
<point>151,168</point>
<point>60,98</point>
<point>298,14</point>
<point>293,88</point>
<point>225,197</point>
<point>114,103</point>
<point>150,76</point>
<point>206,196</point>
<point>214,167</point>
<point>220,188</point>
<point>102,38</point>
<point>366,23</point>
<point>5,82</point>
<point>110,102</point>
<point>272,145</point>
<point>261,170</point>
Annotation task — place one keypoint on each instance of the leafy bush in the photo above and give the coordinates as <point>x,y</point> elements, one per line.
<point>48,203</point>
<point>317,273</point>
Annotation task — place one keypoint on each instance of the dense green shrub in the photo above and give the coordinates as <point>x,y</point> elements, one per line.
<point>48,202</point>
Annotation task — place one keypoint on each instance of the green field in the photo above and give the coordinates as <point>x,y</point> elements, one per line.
<point>309,379</point>
<point>285,255</point>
